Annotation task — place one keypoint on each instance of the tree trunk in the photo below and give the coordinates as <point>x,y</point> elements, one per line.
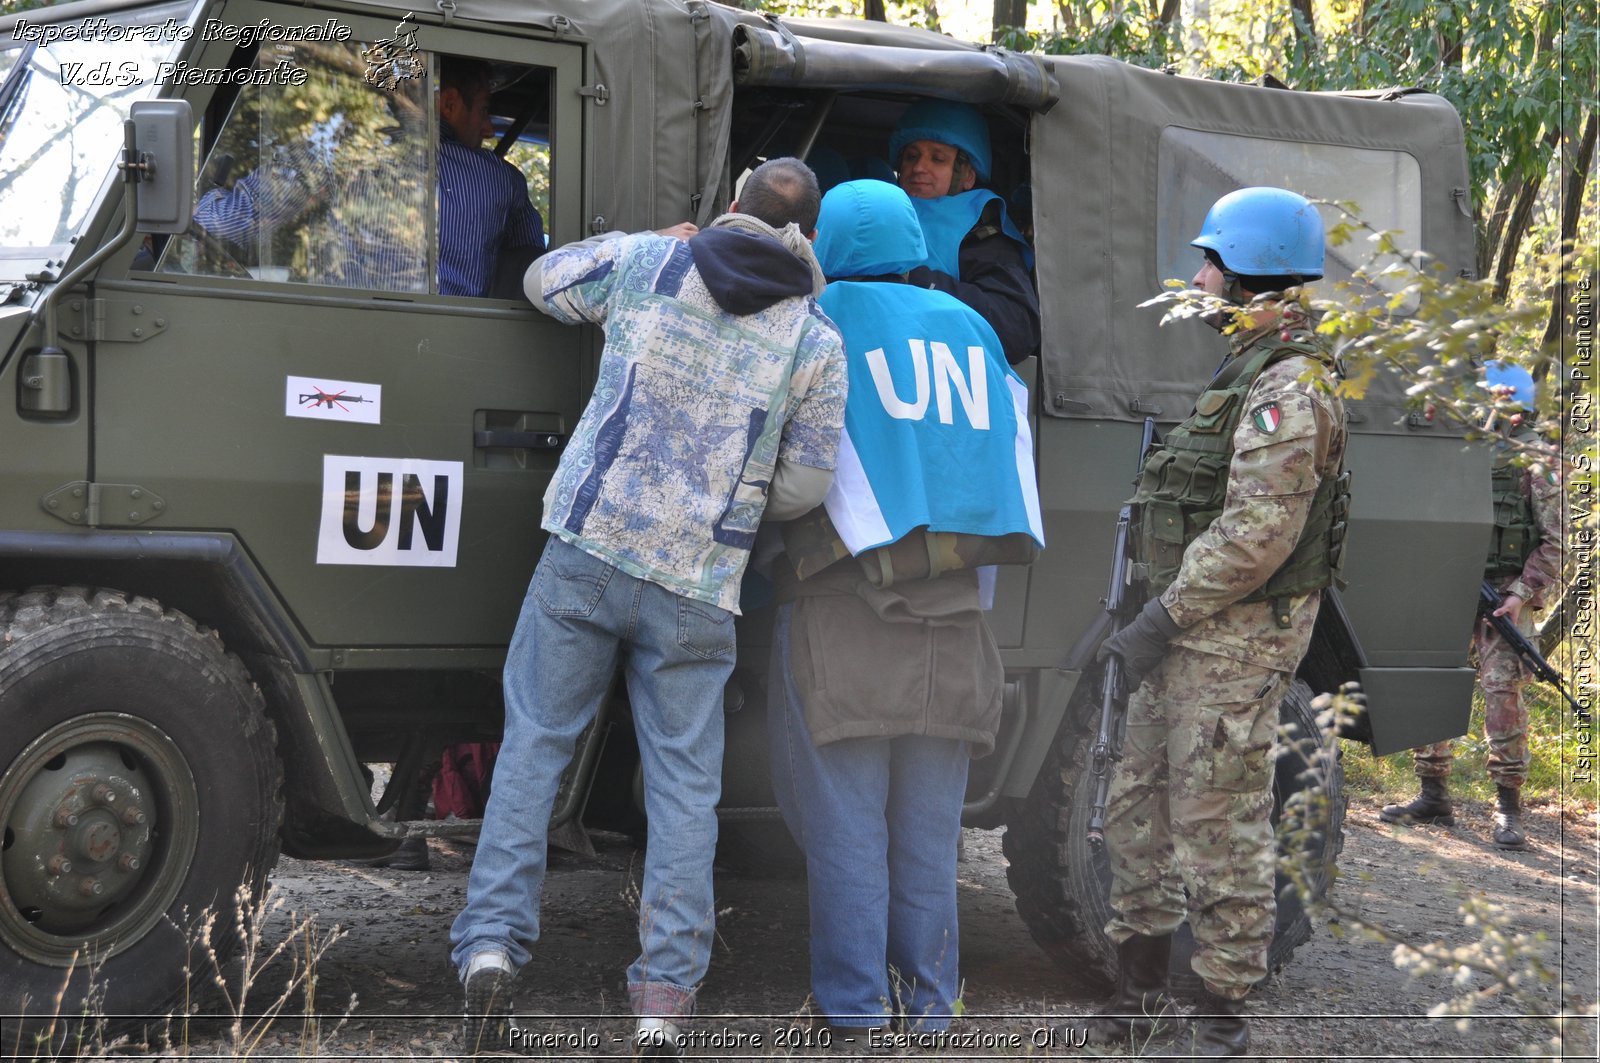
<point>1305,26</point>
<point>1009,15</point>
<point>1505,247</point>
<point>1494,226</point>
<point>873,11</point>
<point>1199,15</point>
<point>1169,13</point>
<point>1069,18</point>
<point>1574,183</point>
<point>1516,229</point>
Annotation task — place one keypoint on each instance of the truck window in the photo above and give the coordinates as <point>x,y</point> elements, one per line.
<point>331,179</point>
<point>1197,167</point>
<point>62,103</point>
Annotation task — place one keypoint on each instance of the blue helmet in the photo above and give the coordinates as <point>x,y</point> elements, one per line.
<point>1498,374</point>
<point>1265,232</point>
<point>957,124</point>
<point>868,228</point>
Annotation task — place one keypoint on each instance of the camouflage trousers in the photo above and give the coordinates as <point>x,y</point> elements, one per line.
<point>1190,809</point>
<point>1500,675</point>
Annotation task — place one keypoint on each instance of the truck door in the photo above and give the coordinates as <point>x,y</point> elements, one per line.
<point>295,372</point>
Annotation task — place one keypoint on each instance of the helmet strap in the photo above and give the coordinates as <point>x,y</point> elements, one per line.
<point>1232,290</point>
<point>958,171</point>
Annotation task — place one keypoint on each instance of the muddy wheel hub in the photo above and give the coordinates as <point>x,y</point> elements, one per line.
<point>100,820</point>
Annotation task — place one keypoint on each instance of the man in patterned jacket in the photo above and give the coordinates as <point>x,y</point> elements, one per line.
<point>1239,526</point>
<point>720,398</point>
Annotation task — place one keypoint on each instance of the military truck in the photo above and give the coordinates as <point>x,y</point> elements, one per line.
<point>269,503</point>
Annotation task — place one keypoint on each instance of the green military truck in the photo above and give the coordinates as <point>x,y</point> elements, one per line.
<point>269,504</point>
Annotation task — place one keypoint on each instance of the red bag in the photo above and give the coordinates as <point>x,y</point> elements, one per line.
<point>462,786</point>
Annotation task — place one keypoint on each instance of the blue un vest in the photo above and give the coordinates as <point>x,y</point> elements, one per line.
<point>935,416</point>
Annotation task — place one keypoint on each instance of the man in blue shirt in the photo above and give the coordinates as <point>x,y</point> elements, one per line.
<point>484,211</point>
<point>487,225</point>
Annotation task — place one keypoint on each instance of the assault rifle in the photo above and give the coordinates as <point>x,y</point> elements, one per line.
<point>1119,611</point>
<point>1489,600</point>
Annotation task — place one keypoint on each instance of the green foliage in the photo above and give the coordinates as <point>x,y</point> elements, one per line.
<point>1513,69</point>
<point>1130,32</point>
<point>1550,742</point>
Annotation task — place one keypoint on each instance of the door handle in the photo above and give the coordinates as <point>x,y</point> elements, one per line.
<point>515,439</point>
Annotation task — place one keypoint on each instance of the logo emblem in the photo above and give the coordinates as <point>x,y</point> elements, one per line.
<point>1266,417</point>
<point>321,399</point>
<point>394,59</point>
<point>389,511</point>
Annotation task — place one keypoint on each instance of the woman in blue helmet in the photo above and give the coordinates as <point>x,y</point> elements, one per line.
<point>975,253</point>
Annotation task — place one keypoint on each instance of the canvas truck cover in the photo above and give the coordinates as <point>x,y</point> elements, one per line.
<point>1124,171</point>
<point>664,64</point>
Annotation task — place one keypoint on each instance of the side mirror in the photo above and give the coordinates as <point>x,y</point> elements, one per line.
<point>164,145</point>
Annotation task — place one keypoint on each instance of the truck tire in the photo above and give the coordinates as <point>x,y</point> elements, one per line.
<point>1063,888</point>
<point>139,790</point>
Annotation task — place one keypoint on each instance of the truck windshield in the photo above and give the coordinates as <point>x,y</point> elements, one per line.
<point>65,89</point>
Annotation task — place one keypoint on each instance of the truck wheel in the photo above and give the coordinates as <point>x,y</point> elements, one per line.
<point>139,789</point>
<point>1063,888</point>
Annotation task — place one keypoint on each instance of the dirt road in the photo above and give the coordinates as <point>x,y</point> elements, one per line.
<point>1341,998</point>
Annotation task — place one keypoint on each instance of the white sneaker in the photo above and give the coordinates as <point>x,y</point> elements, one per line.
<point>657,1039</point>
<point>486,1019</point>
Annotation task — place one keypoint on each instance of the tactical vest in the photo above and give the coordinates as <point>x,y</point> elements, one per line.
<point>1516,533</point>
<point>1185,480</point>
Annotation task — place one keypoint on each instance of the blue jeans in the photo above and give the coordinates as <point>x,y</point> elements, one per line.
<point>580,615</point>
<point>879,820</point>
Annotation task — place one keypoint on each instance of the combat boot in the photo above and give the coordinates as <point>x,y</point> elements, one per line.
<point>1142,1008</point>
<point>1508,819</point>
<point>1430,806</point>
<point>1219,1027</point>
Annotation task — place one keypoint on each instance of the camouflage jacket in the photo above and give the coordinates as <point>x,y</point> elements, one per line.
<point>1542,567</point>
<point>1279,459</point>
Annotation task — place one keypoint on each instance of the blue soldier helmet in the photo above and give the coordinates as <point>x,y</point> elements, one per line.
<point>1498,374</point>
<point>957,124</point>
<point>1265,232</point>
<point>868,229</point>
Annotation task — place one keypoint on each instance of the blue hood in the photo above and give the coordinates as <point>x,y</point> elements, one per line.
<point>868,229</point>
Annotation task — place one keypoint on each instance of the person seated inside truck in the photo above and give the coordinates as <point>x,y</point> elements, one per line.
<point>975,252</point>
<point>489,230</point>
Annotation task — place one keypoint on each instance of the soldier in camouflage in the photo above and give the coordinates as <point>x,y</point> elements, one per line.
<point>1239,515</point>
<point>1523,564</point>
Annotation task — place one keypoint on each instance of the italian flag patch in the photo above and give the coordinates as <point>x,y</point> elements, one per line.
<point>1266,417</point>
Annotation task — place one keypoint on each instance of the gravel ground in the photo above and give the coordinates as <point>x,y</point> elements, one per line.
<point>1342,997</point>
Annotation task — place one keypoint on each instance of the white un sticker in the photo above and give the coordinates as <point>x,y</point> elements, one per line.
<point>322,399</point>
<point>389,511</point>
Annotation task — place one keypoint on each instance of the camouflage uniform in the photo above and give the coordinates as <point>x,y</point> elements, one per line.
<point>1190,804</point>
<point>1500,671</point>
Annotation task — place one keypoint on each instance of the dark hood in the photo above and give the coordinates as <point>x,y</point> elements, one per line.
<point>745,272</point>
